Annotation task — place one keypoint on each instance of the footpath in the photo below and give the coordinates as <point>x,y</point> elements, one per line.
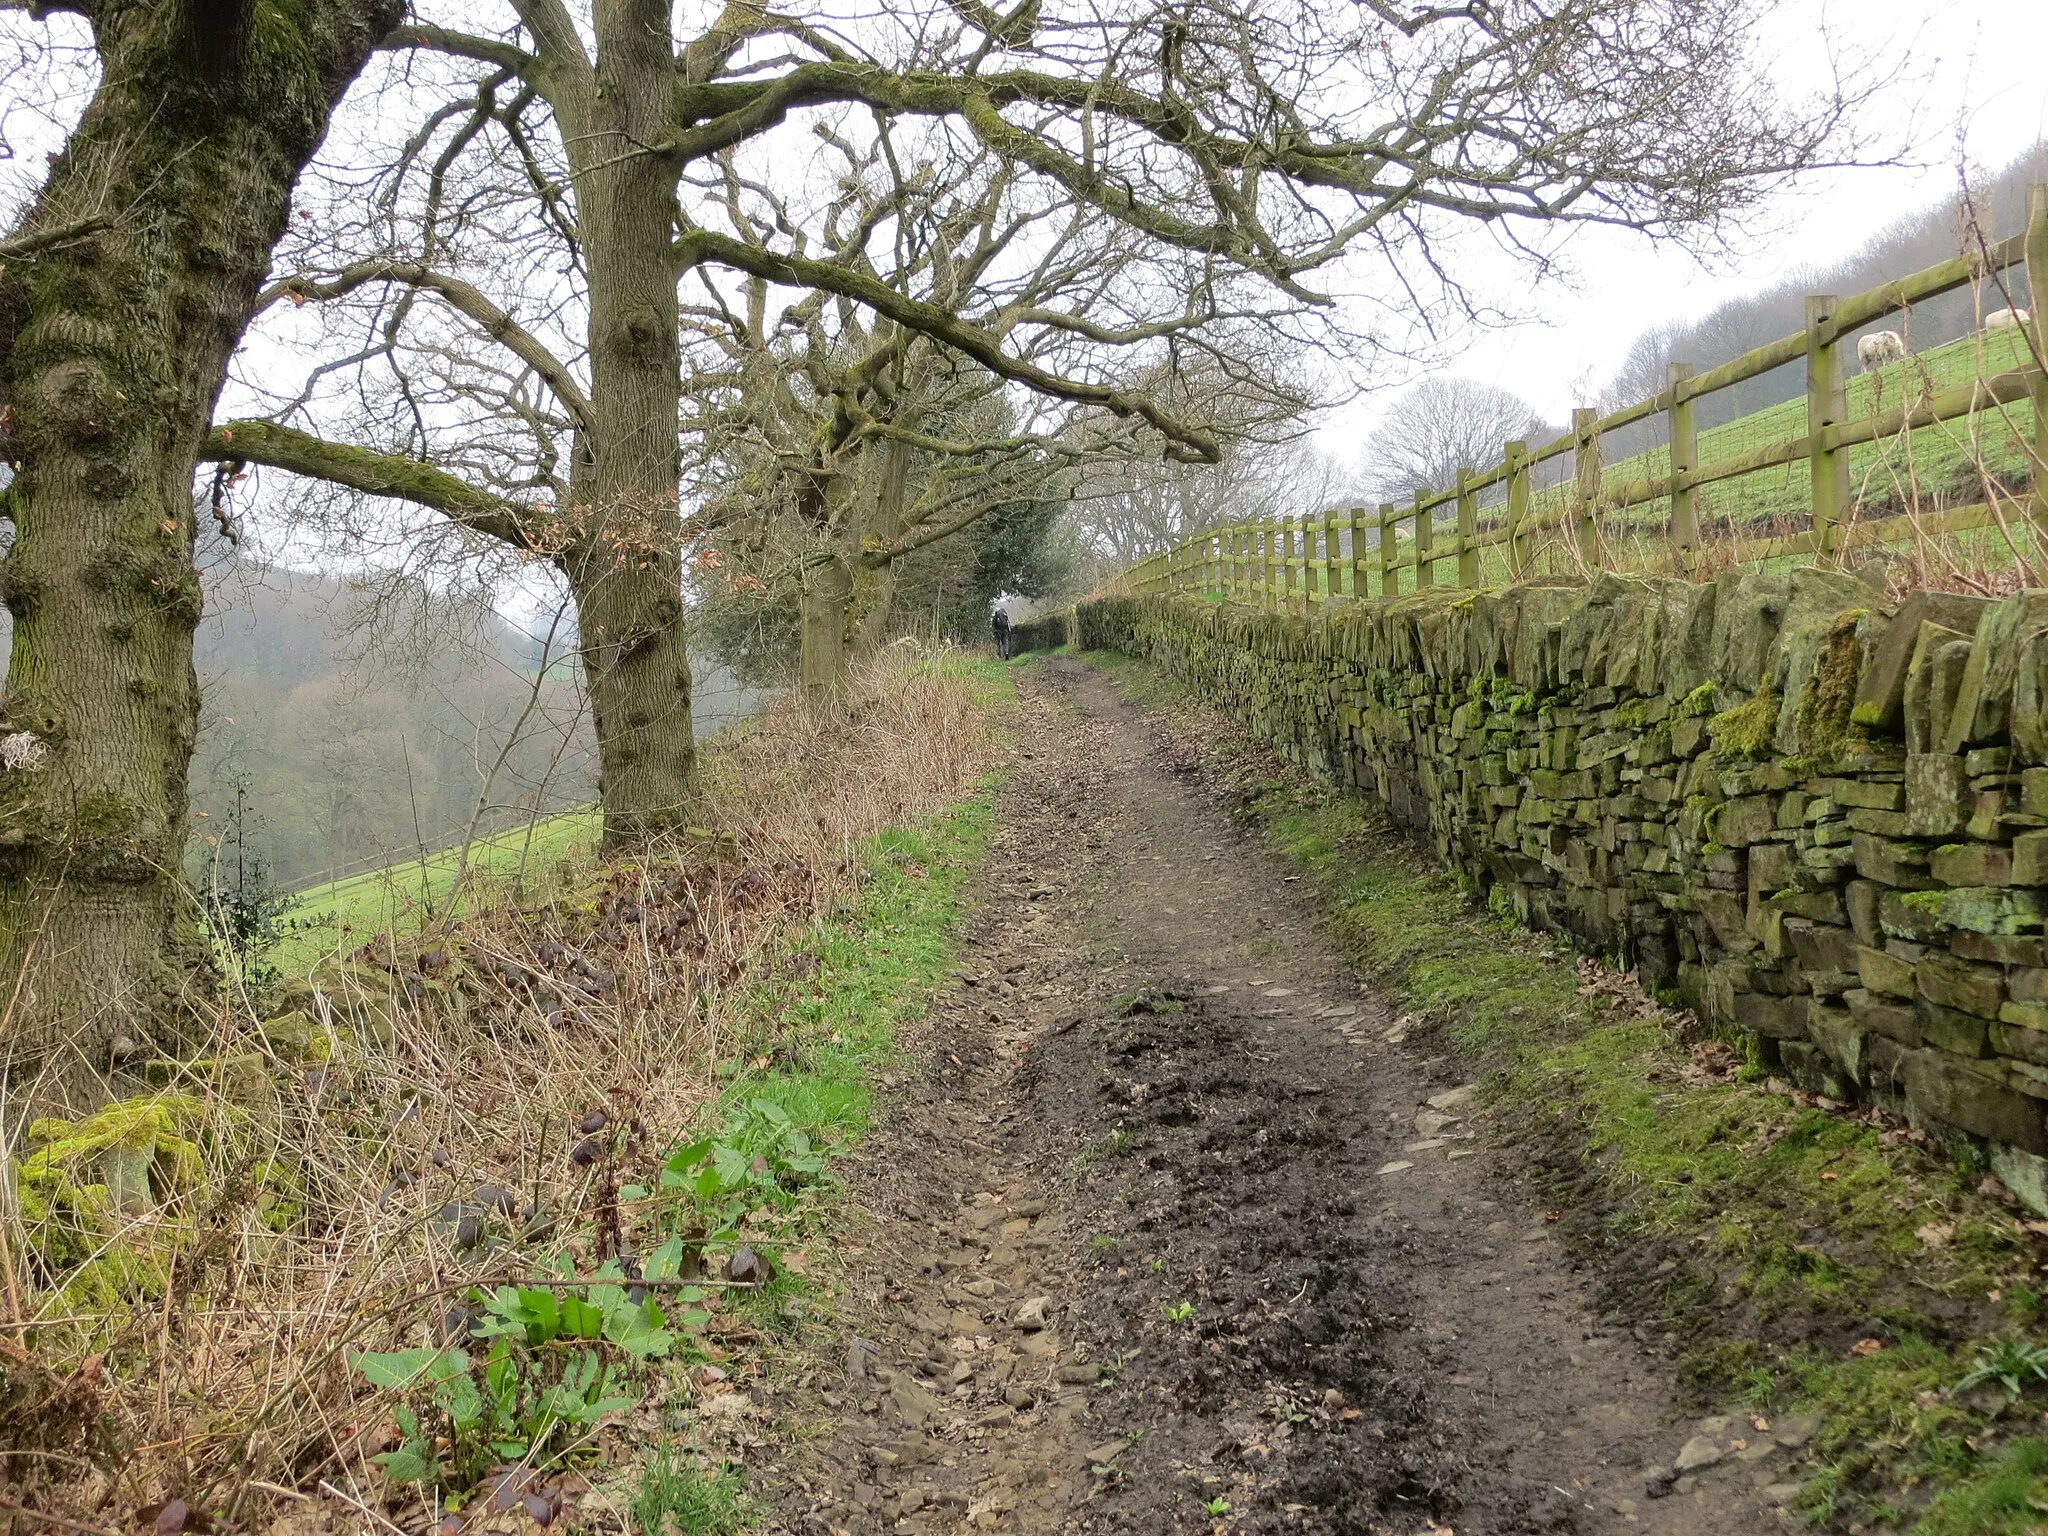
<point>1179,1230</point>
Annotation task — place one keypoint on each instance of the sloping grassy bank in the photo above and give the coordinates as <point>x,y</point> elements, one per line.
<point>816,1034</point>
<point>1786,1252</point>
<point>505,1210</point>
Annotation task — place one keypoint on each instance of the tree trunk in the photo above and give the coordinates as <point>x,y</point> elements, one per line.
<point>625,565</point>
<point>828,584</point>
<point>113,349</point>
<point>874,595</point>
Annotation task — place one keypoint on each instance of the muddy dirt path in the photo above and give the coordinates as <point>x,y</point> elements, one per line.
<point>1171,1236</point>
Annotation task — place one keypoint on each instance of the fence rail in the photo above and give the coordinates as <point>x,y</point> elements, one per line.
<point>1309,559</point>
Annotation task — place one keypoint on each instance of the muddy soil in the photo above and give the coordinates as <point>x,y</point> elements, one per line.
<point>1178,1232</point>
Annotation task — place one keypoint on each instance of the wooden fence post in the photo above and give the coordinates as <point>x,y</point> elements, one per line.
<point>1389,586</point>
<point>2037,301</point>
<point>1468,526</point>
<point>1586,484</point>
<point>1283,578</point>
<point>1827,405</point>
<point>1262,540</point>
<point>1425,541</point>
<point>1333,553</point>
<point>1319,556</point>
<point>1355,518</point>
<point>1297,545</point>
<point>1683,420</point>
<point>1517,456</point>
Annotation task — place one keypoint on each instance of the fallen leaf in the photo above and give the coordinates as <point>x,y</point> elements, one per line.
<point>1829,1178</point>
<point>747,1267</point>
<point>1936,1234</point>
<point>1865,1347</point>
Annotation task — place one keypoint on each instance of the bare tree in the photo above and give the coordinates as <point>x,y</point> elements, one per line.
<point>1433,429</point>
<point>1238,146</point>
<point>124,289</point>
<point>836,443</point>
<point>1124,509</point>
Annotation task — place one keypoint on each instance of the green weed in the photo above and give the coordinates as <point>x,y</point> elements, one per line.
<point>2013,1365</point>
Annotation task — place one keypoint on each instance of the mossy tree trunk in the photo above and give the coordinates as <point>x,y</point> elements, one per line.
<point>874,595</point>
<point>113,349</point>
<point>624,557</point>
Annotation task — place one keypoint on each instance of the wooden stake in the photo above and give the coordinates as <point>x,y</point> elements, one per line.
<point>1827,405</point>
<point>1682,419</point>
<point>1468,527</point>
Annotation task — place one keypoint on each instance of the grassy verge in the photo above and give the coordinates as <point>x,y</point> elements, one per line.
<point>817,1033</point>
<point>1787,1254</point>
<point>497,1203</point>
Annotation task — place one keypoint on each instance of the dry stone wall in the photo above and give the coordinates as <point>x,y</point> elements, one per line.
<point>1047,632</point>
<point>1814,815</point>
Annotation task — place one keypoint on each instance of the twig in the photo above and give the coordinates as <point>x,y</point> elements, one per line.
<point>57,1520</point>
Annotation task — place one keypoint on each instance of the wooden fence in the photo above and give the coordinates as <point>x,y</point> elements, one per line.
<point>1301,561</point>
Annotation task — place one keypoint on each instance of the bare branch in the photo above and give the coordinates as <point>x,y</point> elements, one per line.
<point>463,297</point>
<point>373,474</point>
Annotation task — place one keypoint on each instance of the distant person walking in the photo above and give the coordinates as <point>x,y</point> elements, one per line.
<point>1000,625</point>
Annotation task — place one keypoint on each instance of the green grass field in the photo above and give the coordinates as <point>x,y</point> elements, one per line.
<point>1937,463</point>
<point>1929,470</point>
<point>346,914</point>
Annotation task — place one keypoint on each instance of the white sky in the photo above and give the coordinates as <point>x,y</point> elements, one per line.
<point>1978,83</point>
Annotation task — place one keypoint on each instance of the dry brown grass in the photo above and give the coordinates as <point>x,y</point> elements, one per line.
<point>202,1350</point>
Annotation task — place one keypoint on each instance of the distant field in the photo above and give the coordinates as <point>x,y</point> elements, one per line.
<point>348,913</point>
<point>1937,463</point>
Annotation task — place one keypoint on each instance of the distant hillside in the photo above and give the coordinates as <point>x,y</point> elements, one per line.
<point>1918,239</point>
<point>353,752</point>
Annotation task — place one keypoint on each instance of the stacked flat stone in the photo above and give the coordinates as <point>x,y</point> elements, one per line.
<point>1813,814</point>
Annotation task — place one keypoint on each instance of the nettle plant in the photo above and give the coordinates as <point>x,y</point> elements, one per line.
<point>762,1156</point>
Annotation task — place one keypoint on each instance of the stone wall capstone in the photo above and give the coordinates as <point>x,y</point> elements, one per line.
<point>1812,814</point>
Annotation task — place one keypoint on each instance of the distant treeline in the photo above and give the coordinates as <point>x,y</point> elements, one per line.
<point>353,740</point>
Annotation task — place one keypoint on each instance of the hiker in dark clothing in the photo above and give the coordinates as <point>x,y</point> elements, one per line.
<point>1000,624</point>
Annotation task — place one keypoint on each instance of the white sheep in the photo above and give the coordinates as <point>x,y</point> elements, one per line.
<point>2006,319</point>
<point>1879,348</point>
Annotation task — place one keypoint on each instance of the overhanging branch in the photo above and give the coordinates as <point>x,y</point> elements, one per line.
<point>374,474</point>
<point>465,299</point>
<point>941,325</point>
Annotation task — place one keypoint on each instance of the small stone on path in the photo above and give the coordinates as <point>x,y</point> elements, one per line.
<point>1699,1451</point>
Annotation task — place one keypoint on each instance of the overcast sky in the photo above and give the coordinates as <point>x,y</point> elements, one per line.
<point>1979,83</point>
